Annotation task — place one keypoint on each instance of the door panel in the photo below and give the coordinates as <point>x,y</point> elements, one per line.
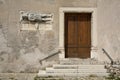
<point>83,53</point>
<point>70,35</point>
<point>71,52</point>
<point>77,35</point>
<point>84,30</point>
<point>71,31</point>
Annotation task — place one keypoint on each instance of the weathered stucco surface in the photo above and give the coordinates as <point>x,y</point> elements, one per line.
<point>108,12</point>
<point>20,51</point>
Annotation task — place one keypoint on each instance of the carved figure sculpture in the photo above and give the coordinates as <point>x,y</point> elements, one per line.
<point>36,17</point>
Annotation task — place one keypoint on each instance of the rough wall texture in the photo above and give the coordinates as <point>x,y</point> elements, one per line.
<point>108,12</point>
<point>20,51</point>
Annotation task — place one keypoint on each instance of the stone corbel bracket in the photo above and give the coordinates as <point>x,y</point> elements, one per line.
<point>36,17</point>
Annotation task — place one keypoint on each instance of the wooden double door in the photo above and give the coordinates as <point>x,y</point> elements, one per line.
<point>77,35</point>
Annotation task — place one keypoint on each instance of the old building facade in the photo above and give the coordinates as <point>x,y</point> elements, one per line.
<point>24,45</point>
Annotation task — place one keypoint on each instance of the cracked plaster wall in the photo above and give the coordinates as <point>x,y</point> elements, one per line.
<point>20,51</point>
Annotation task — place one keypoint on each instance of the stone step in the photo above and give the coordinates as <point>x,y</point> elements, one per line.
<point>75,67</point>
<point>73,74</point>
<point>58,66</point>
<point>51,70</point>
<point>42,72</point>
<point>79,61</point>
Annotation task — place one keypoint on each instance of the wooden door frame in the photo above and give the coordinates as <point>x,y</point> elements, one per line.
<point>93,11</point>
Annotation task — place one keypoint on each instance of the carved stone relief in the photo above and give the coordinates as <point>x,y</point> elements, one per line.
<point>35,21</point>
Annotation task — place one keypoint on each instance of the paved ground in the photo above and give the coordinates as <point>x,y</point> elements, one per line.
<point>31,76</point>
<point>17,76</point>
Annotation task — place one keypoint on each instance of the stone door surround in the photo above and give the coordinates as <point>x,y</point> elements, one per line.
<point>93,11</point>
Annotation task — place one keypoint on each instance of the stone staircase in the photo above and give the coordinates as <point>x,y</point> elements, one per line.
<point>75,67</point>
